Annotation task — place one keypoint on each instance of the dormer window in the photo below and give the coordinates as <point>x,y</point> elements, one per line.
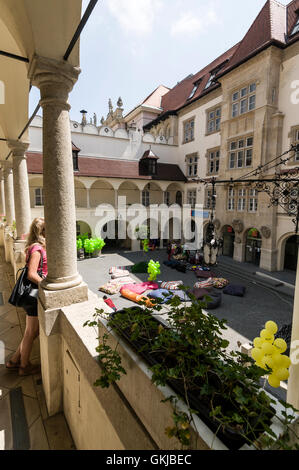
<point>194,90</point>
<point>75,153</point>
<point>296,27</point>
<point>211,80</point>
<point>148,164</point>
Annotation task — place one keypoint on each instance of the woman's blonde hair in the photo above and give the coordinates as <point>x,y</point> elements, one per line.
<point>36,233</point>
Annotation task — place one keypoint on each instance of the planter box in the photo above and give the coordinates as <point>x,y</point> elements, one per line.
<point>96,253</point>
<point>145,398</point>
<point>80,254</point>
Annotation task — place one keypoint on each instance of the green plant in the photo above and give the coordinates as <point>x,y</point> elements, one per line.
<point>79,244</point>
<point>99,243</point>
<point>190,355</point>
<point>89,245</point>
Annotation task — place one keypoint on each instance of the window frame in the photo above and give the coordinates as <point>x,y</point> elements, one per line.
<point>192,197</point>
<point>237,98</point>
<point>145,198</point>
<point>231,195</point>
<point>41,196</point>
<point>209,120</point>
<point>191,165</point>
<point>238,151</point>
<point>252,198</point>
<point>213,155</point>
<point>190,131</point>
<point>295,28</point>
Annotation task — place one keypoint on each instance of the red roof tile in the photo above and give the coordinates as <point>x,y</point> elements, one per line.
<point>101,167</point>
<point>292,15</point>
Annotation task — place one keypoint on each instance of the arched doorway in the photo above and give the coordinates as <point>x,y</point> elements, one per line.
<point>228,235</point>
<point>83,228</point>
<point>253,247</point>
<point>115,235</point>
<point>179,198</point>
<point>291,253</point>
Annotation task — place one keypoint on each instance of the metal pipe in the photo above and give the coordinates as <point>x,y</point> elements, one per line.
<point>14,56</point>
<point>78,31</point>
<point>30,120</point>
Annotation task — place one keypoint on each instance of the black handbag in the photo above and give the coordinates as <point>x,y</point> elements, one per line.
<point>25,292</point>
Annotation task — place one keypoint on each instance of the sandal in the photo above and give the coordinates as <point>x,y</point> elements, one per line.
<point>12,365</point>
<point>30,369</point>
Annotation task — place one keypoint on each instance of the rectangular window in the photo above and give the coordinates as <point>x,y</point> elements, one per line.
<point>213,162</point>
<point>243,100</point>
<point>296,27</point>
<point>191,198</point>
<point>39,197</point>
<point>75,161</point>
<point>189,131</point>
<point>253,200</point>
<point>241,158</point>
<point>241,200</point>
<point>214,120</point>
<point>209,198</point>
<point>231,200</point>
<point>192,166</point>
<point>145,198</point>
<point>166,198</point>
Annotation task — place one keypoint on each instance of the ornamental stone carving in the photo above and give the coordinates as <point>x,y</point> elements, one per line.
<point>266,232</point>
<point>238,240</point>
<point>238,226</point>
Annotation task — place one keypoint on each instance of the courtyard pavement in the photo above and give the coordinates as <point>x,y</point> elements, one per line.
<point>245,315</point>
<point>24,420</point>
<point>265,299</point>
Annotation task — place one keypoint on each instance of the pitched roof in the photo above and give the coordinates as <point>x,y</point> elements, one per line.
<point>272,26</point>
<point>103,167</point>
<point>149,154</point>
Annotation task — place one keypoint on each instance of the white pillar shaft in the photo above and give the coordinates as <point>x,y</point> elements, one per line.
<point>55,80</point>
<point>2,197</point>
<point>293,389</point>
<point>9,197</point>
<point>88,198</point>
<point>21,196</point>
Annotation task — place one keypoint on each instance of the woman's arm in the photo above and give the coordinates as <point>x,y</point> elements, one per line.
<point>33,267</point>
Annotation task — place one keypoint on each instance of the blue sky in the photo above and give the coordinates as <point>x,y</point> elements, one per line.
<point>129,47</point>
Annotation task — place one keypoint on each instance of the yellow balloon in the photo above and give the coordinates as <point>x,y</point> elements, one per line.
<point>280,345</point>
<point>267,348</point>
<point>258,342</point>
<point>260,364</point>
<point>286,361</point>
<point>272,327</point>
<point>277,360</point>
<point>273,381</point>
<point>267,336</point>
<point>267,360</point>
<point>282,374</point>
<point>256,354</point>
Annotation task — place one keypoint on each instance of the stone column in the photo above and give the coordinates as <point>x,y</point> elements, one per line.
<point>293,390</point>
<point>2,197</point>
<point>8,192</point>
<point>55,80</point>
<point>21,187</point>
<point>63,286</point>
<point>2,206</point>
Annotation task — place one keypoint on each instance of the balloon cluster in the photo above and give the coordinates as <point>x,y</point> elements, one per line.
<point>268,353</point>
<point>145,245</point>
<point>153,269</point>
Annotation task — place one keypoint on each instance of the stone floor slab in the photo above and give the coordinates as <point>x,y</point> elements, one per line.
<point>32,409</point>
<point>38,437</point>
<point>6,437</point>
<point>58,433</point>
<point>12,337</point>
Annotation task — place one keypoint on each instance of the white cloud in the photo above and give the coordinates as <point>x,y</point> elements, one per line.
<point>135,16</point>
<point>192,24</point>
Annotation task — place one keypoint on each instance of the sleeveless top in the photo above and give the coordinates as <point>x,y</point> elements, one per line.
<point>35,248</point>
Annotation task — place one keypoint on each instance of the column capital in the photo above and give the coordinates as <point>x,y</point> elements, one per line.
<point>6,166</point>
<point>54,78</point>
<point>18,147</point>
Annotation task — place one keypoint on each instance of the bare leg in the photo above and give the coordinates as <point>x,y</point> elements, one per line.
<point>31,332</point>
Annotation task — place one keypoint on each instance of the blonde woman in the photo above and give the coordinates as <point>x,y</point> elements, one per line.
<point>36,260</point>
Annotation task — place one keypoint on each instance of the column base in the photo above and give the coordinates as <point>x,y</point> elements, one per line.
<point>53,299</point>
<point>61,283</point>
<point>268,260</point>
